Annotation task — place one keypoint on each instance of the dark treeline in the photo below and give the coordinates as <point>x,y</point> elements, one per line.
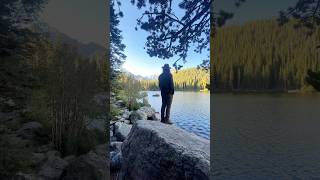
<point>57,85</point>
<point>262,55</point>
<point>63,97</point>
<point>52,84</point>
<point>187,79</point>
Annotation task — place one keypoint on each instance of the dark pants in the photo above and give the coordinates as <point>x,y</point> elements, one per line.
<point>166,105</point>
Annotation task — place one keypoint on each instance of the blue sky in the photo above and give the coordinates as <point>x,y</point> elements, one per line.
<point>138,61</point>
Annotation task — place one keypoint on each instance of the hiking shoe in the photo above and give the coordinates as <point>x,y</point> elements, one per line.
<point>168,121</point>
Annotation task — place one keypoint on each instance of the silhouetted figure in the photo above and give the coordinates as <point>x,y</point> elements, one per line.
<point>167,90</point>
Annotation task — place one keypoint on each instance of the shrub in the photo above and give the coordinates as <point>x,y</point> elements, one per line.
<point>38,109</point>
<point>307,89</point>
<point>68,84</point>
<point>130,91</point>
<point>114,111</point>
<point>83,143</point>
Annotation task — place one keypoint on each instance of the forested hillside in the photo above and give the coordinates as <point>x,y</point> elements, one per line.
<point>186,79</point>
<point>262,55</point>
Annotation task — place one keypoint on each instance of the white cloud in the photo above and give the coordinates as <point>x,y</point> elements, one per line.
<point>140,70</point>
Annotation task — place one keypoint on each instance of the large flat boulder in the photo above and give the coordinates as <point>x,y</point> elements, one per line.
<point>157,151</point>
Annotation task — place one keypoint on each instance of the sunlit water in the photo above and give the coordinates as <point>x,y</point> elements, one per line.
<point>189,110</point>
<point>266,136</point>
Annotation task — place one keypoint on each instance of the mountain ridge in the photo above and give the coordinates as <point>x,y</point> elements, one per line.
<point>87,50</point>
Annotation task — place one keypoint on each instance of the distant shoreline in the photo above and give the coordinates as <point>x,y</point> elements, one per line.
<point>263,92</point>
<point>247,91</point>
<point>179,90</point>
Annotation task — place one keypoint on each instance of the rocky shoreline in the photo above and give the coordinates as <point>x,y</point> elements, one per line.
<point>143,148</point>
<point>137,139</point>
<point>28,154</point>
<point>120,128</point>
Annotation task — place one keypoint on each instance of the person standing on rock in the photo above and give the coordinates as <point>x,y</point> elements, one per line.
<point>167,90</point>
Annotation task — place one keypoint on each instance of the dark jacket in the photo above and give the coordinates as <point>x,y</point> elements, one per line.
<point>166,83</point>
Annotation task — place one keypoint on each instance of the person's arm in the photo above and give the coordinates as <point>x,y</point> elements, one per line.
<point>171,85</point>
<point>159,83</point>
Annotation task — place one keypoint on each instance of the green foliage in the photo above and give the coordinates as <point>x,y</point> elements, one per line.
<point>117,55</point>
<point>38,109</point>
<point>130,92</point>
<point>144,96</point>
<point>307,89</point>
<point>52,81</point>
<point>169,33</point>
<point>82,144</point>
<point>114,111</point>
<point>65,95</point>
<point>262,55</point>
<point>186,79</point>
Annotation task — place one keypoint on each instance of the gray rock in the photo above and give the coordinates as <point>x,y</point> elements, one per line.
<point>156,117</point>
<point>115,146</point>
<point>24,176</point>
<point>136,116</point>
<point>149,111</point>
<point>98,124</point>
<point>157,151</point>
<point>38,158</point>
<point>69,158</point>
<point>10,103</point>
<point>44,148</point>
<point>53,153</point>
<point>14,140</point>
<point>120,103</point>
<point>8,116</point>
<point>113,138</point>
<point>53,167</point>
<point>127,121</point>
<point>122,130</point>
<point>112,154</point>
<point>126,114</point>
<point>115,160</point>
<point>29,130</point>
<point>91,166</point>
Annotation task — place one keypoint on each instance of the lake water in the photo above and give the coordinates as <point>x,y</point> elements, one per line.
<point>266,136</point>
<point>189,110</point>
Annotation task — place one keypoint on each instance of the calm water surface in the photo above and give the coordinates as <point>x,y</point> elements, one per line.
<point>189,110</point>
<point>266,136</point>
